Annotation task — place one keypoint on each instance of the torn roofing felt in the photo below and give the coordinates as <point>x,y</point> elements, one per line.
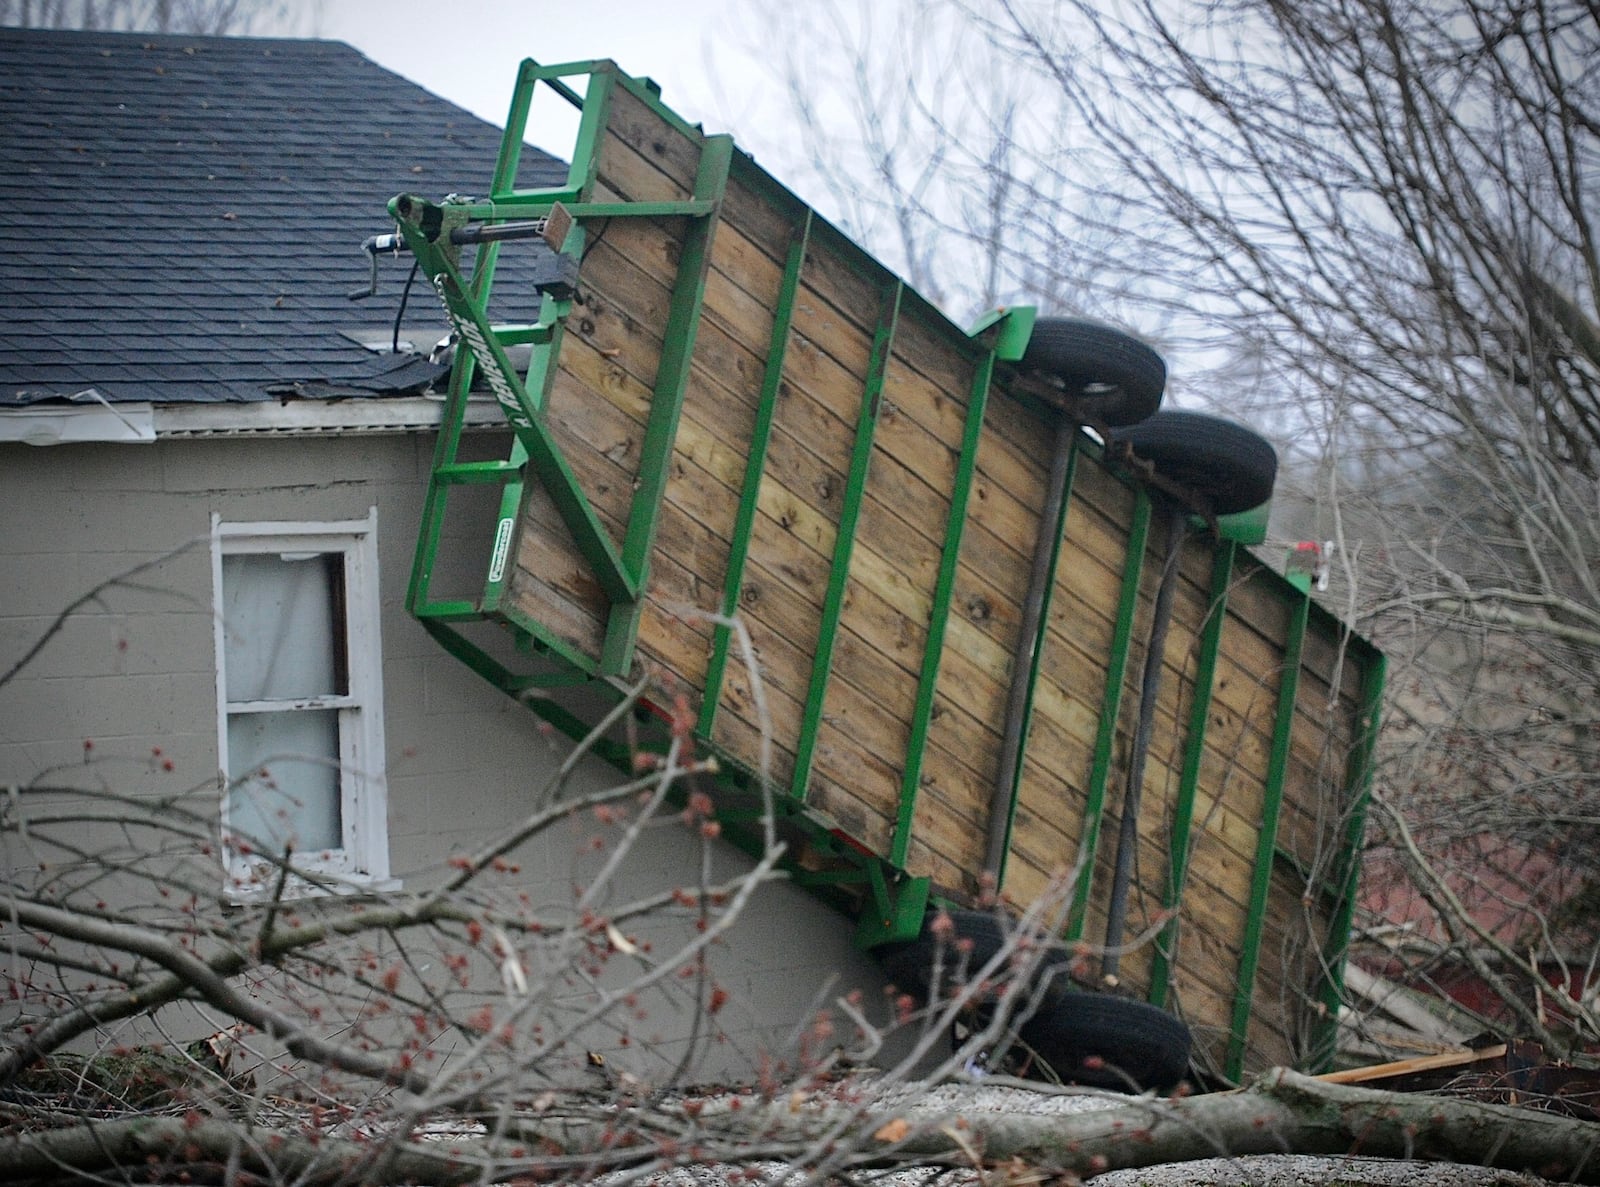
<point>185,216</point>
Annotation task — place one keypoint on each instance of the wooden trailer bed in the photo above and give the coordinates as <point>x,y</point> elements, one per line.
<point>742,412</point>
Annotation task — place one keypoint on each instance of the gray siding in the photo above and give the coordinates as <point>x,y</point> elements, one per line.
<point>133,669</point>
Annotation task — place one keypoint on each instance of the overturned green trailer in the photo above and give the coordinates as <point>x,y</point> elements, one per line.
<point>728,420</point>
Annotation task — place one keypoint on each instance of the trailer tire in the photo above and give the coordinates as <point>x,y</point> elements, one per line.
<point>910,963</point>
<point>1107,1042</point>
<point>1114,378</point>
<point>1234,467</point>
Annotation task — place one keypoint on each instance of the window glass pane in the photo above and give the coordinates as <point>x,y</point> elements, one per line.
<point>283,773</point>
<point>283,628</point>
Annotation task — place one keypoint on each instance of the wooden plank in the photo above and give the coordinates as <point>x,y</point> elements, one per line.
<point>1325,653</point>
<point>1068,710</point>
<point>932,351</point>
<point>1422,1063</point>
<point>601,399</point>
<point>631,267</point>
<point>805,531</point>
<point>1312,826</point>
<point>742,304</point>
<point>550,581</point>
<point>1284,1013</point>
<point>762,211</point>
<point>749,271</point>
<point>738,724</point>
<point>737,733</point>
<point>784,601</point>
<point>843,283</point>
<point>642,157</point>
<point>962,750</point>
<point>884,684</point>
<point>829,796</point>
<point>1024,436</point>
<point>939,830</point>
<point>947,877</point>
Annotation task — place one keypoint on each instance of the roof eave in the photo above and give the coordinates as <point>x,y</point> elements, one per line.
<point>142,423</point>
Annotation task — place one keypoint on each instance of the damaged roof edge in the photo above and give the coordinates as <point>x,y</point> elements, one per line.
<point>140,423</point>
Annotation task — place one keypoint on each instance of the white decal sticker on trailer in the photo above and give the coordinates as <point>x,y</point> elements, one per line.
<point>502,545</point>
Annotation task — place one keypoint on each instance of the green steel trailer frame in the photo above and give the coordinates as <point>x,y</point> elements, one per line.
<point>733,419</point>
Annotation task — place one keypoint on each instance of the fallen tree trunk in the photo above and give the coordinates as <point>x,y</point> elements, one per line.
<point>1282,1113</point>
<point>1287,1113</point>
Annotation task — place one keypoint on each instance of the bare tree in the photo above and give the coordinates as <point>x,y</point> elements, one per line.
<point>213,18</point>
<point>1369,227</point>
<point>950,169</point>
<point>160,1024</point>
<point>436,1037</point>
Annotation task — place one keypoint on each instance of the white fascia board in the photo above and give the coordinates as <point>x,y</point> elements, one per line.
<point>317,418</point>
<point>56,425</point>
<point>142,422</point>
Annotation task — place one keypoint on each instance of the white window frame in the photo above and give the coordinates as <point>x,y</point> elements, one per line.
<point>362,864</point>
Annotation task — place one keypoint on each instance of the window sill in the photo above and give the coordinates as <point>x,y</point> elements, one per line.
<point>298,889</point>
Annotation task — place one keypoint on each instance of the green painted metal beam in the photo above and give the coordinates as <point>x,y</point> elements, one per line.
<point>515,131</point>
<point>541,681</point>
<point>1267,840</point>
<point>522,335</point>
<point>468,652</point>
<point>584,167</point>
<point>542,362</point>
<point>435,500</point>
<point>1181,844</point>
<point>545,456</point>
<point>502,561</point>
<point>754,468</point>
<point>478,473</point>
<point>845,540</point>
<point>666,403</point>
<point>939,614</point>
<point>896,910</point>
<point>453,610</point>
<point>1110,710</point>
<point>525,204</point>
<point>1358,789</point>
<point>446,445</point>
<point>552,74</point>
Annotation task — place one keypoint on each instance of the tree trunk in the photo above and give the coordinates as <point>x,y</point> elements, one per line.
<point>1283,1113</point>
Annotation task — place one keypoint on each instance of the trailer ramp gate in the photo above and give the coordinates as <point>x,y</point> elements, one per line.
<point>721,406</point>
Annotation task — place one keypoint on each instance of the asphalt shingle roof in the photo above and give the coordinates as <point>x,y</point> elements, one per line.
<point>183,215</point>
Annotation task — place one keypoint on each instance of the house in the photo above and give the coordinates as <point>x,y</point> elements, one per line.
<point>1525,900</point>
<point>199,428</point>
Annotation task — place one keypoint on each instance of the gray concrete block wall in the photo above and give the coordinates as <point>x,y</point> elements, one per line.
<point>133,670</point>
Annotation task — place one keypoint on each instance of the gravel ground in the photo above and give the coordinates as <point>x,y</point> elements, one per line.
<point>1279,1170</point>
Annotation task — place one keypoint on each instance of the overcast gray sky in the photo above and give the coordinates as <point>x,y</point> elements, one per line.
<point>468,50</point>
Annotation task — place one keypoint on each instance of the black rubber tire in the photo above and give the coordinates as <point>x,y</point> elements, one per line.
<point>1107,1042</point>
<point>1117,378</point>
<point>1232,466</point>
<point>909,965</point>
